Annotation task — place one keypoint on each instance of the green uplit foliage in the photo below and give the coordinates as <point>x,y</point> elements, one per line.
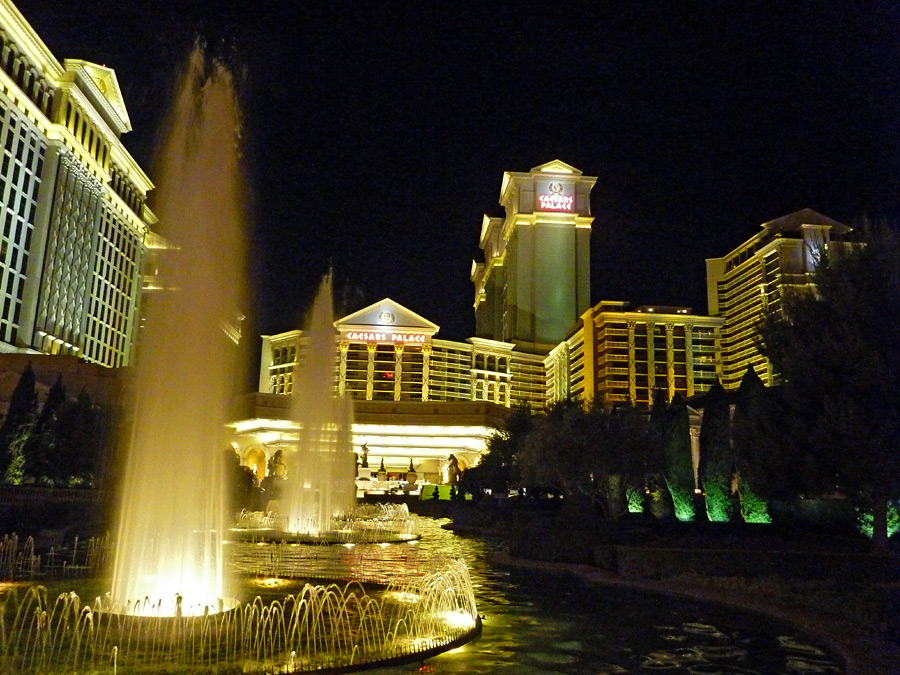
<point>15,469</point>
<point>675,433</point>
<point>758,461</point>
<point>624,456</point>
<point>716,459</point>
<point>837,351</point>
<point>684,505</point>
<point>658,499</point>
<point>865,520</point>
<point>590,455</point>
<point>652,478</point>
<point>719,508</point>
<point>17,426</point>
<point>635,500</point>
<point>753,508</point>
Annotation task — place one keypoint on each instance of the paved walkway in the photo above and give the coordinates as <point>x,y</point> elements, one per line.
<point>864,652</point>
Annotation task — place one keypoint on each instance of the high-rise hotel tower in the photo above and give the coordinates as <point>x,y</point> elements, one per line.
<point>745,284</point>
<point>74,228</point>
<point>534,283</point>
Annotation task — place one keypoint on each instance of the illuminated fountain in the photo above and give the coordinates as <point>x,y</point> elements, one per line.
<point>165,612</point>
<point>169,540</point>
<point>321,473</point>
<point>319,498</point>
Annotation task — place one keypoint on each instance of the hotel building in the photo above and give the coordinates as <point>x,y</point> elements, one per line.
<point>750,281</point>
<point>419,398</point>
<point>74,226</point>
<point>614,355</point>
<point>416,397</point>
<point>534,283</point>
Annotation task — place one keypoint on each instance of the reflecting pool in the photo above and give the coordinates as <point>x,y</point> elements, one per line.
<point>538,623</point>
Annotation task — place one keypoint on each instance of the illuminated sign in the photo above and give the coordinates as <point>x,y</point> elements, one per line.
<point>554,199</point>
<point>377,336</point>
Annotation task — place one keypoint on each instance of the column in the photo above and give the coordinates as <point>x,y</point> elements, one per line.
<point>426,370</point>
<point>342,368</point>
<point>689,357</point>
<point>651,361</point>
<point>370,369</point>
<point>398,371</point>
<point>695,455</point>
<point>670,360</point>
<point>632,365</point>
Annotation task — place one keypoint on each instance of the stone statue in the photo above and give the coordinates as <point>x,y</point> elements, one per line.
<point>365,456</point>
<point>453,470</point>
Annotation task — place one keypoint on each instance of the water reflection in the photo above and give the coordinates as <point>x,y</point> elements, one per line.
<point>546,624</point>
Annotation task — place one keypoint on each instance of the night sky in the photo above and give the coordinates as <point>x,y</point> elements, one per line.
<point>377,133</point>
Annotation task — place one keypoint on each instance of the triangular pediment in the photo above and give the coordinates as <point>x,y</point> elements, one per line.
<point>797,219</point>
<point>386,315</point>
<point>108,85</point>
<point>556,166</point>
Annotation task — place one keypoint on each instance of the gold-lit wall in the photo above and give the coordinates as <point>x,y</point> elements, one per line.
<point>750,281</point>
<point>619,356</point>
<point>75,223</point>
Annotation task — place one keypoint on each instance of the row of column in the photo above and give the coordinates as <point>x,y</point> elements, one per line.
<point>370,369</point>
<point>651,361</point>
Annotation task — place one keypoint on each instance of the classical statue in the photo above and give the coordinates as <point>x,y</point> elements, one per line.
<point>453,470</point>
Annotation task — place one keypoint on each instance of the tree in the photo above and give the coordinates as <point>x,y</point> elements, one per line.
<point>658,499</point>
<point>41,445</point>
<point>755,448</point>
<point>498,471</point>
<point>241,484</point>
<point>679,466</point>
<point>17,426</point>
<point>716,459</point>
<point>557,453</point>
<point>80,443</point>
<point>837,351</point>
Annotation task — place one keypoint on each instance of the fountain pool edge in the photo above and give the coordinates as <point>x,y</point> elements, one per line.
<point>861,652</point>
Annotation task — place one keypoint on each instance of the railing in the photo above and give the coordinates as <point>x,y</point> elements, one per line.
<point>33,494</point>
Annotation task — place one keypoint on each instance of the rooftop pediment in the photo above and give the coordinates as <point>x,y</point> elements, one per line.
<point>108,85</point>
<point>386,315</point>
<point>556,166</point>
<point>795,220</point>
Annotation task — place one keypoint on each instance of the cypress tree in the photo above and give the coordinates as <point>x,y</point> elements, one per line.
<point>751,442</point>
<point>40,450</point>
<point>17,427</point>
<point>716,460</point>
<point>678,463</point>
<point>658,498</point>
<point>79,443</point>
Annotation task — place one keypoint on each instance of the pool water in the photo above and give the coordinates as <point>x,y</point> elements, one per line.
<point>547,623</point>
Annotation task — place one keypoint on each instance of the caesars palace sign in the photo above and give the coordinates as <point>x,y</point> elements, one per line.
<point>556,199</point>
<point>377,336</point>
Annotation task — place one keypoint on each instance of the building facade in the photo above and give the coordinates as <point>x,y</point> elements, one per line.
<point>534,282</point>
<point>416,398</point>
<point>389,353</point>
<point>73,218</point>
<point>614,355</point>
<point>749,281</point>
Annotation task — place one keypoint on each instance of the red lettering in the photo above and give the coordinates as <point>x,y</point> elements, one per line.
<point>556,202</point>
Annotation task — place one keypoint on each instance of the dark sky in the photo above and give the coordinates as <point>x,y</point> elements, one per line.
<point>377,133</point>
